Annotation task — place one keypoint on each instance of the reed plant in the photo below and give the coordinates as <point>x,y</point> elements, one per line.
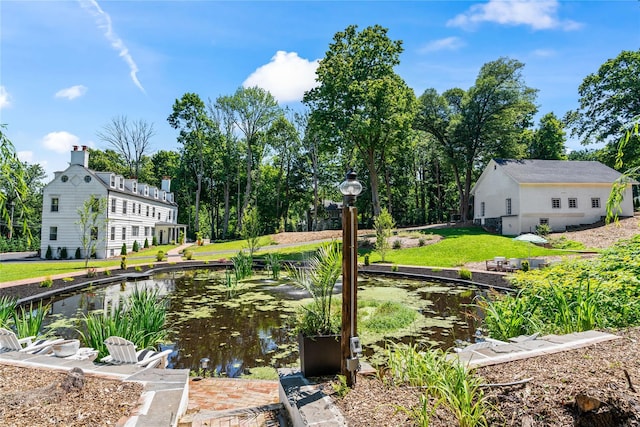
<point>444,380</point>
<point>507,316</point>
<point>28,321</point>
<point>273,261</point>
<point>140,319</point>
<point>242,265</point>
<point>7,309</point>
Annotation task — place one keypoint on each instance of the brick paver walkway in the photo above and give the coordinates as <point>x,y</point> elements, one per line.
<point>213,400</point>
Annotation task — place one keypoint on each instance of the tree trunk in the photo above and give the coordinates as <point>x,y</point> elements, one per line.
<point>314,160</point>
<point>225,222</point>
<point>247,191</point>
<point>374,181</point>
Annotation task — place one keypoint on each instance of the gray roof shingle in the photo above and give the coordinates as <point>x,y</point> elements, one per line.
<point>557,171</point>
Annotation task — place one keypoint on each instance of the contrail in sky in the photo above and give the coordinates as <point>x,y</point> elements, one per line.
<point>104,22</point>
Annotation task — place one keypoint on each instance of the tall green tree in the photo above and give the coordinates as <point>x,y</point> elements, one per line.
<point>15,189</point>
<point>107,161</point>
<point>229,158</point>
<point>548,141</point>
<point>361,104</point>
<point>252,110</point>
<point>609,101</point>
<point>284,139</point>
<point>190,117</point>
<point>483,122</point>
<point>92,225</point>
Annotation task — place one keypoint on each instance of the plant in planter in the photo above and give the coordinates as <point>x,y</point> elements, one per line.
<point>318,328</point>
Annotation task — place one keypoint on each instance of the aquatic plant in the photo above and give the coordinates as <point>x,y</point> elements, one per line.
<point>7,308</point>
<point>28,321</point>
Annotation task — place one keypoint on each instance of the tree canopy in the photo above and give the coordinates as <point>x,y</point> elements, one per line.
<point>361,104</point>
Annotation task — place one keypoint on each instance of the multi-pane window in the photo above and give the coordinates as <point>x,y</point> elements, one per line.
<point>555,203</point>
<point>95,204</point>
<point>133,207</point>
<point>508,203</point>
<point>544,221</point>
<point>113,205</point>
<point>147,210</point>
<point>55,204</point>
<point>124,233</point>
<point>154,212</point>
<point>139,206</point>
<point>53,233</point>
<point>146,231</point>
<point>112,181</point>
<point>158,216</point>
<point>135,230</point>
<point>573,202</point>
<point>94,233</point>
<point>113,233</point>
<point>124,206</point>
<point>595,202</point>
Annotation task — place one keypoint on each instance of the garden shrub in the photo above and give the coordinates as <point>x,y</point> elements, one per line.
<point>123,251</point>
<point>78,254</point>
<point>47,282</point>
<point>366,259</point>
<point>154,242</point>
<point>146,243</point>
<point>464,274</point>
<point>49,254</point>
<point>123,262</point>
<point>135,247</point>
<point>63,253</point>
<point>543,229</point>
<point>188,255</point>
<point>397,244</point>
<point>160,256</point>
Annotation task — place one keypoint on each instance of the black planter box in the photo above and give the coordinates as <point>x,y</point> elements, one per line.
<point>319,355</point>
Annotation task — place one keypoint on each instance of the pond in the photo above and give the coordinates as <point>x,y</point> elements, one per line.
<point>251,326</point>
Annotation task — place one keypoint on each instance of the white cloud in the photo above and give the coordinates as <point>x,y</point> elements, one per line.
<point>287,76</point>
<point>25,156</point>
<point>538,14</point>
<point>60,142</point>
<point>449,43</point>
<point>544,53</point>
<point>71,92</point>
<point>5,98</point>
<point>104,22</point>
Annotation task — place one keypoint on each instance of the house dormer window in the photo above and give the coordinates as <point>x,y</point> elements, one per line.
<point>146,190</point>
<point>155,193</point>
<point>134,187</point>
<point>112,181</point>
<point>121,183</point>
<point>164,195</point>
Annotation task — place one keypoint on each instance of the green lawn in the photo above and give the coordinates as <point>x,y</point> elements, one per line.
<point>459,246</point>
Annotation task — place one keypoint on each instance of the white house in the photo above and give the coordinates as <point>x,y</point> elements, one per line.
<point>135,211</point>
<point>514,196</point>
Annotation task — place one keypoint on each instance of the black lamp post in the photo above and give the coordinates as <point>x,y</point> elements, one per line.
<point>350,344</point>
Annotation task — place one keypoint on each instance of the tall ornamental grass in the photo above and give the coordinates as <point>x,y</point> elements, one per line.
<point>140,319</point>
<point>446,382</point>
<point>571,296</point>
<point>28,321</point>
<point>7,308</point>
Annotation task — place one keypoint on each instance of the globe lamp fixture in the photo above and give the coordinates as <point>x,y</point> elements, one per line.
<point>350,188</point>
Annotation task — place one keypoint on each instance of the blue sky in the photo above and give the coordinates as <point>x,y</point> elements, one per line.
<point>68,67</point>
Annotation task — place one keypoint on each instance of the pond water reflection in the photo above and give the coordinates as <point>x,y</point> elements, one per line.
<point>252,325</point>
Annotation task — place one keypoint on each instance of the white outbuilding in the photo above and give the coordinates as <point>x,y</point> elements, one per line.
<point>514,196</point>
